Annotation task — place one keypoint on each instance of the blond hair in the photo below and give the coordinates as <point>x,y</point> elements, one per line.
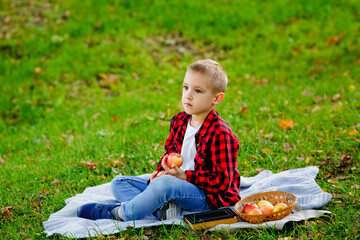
<point>214,71</point>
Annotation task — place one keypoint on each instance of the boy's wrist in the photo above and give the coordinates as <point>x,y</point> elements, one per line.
<point>183,176</point>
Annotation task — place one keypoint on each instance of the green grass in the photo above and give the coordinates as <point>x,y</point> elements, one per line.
<point>294,60</point>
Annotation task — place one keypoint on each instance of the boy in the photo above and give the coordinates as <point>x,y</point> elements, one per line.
<point>209,177</point>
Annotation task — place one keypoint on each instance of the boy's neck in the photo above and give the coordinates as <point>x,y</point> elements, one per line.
<point>198,119</point>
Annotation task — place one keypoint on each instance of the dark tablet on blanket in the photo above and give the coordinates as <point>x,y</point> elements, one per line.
<point>211,218</point>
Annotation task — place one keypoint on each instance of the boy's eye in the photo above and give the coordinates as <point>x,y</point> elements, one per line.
<point>198,91</point>
<point>185,87</point>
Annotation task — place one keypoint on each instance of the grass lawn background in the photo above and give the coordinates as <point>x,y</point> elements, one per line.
<point>88,89</point>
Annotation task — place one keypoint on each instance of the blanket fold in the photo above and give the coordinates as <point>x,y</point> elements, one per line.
<point>299,182</point>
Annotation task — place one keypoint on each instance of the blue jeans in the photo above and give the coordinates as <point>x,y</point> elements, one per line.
<point>139,199</point>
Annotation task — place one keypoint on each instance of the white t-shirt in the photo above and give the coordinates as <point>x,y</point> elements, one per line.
<point>188,150</point>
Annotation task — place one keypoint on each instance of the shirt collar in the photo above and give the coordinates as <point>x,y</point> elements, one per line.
<point>207,123</point>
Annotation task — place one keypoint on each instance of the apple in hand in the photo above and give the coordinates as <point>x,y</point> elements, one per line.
<point>161,173</point>
<point>174,158</point>
<point>280,206</point>
<point>248,207</point>
<point>265,206</point>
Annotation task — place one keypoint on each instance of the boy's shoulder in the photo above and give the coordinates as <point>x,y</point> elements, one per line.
<point>180,118</point>
<point>214,124</point>
<point>220,125</point>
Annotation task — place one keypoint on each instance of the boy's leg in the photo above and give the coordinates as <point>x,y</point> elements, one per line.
<point>165,189</point>
<point>126,188</point>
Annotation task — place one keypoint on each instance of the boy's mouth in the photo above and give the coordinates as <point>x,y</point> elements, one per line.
<point>188,105</point>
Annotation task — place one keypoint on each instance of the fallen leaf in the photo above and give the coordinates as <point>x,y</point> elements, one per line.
<point>6,212</point>
<point>336,97</point>
<point>337,105</point>
<point>306,93</point>
<point>55,182</point>
<point>266,150</point>
<point>148,232</point>
<point>345,159</point>
<point>352,132</point>
<point>243,109</point>
<point>107,80</point>
<point>300,158</point>
<point>117,163</point>
<point>252,157</point>
<point>335,39</point>
<point>37,70</point>
<point>316,108</point>
<point>2,160</point>
<point>115,118</point>
<point>265,109</point>
<point>163,123</point>
<point>258,170</point>
<point>44,191</point>
<point>269,135</point>
<point>95,115</point>
<point>90,165</point>
<point>152,162</point>
<point>287,147</point>
<point>286,124</point>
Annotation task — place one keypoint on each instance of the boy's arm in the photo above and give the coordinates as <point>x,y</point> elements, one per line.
<point>223,150</point>
<point>169,144</point>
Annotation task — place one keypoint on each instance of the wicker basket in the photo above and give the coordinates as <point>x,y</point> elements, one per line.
<point>274,197</point>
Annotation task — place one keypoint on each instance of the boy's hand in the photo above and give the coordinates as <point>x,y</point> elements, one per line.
<point>174,170</point>
<point>153,175</point>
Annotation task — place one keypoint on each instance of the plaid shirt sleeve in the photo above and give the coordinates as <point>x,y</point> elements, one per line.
<point>169,144</point>
<point>223,157</point>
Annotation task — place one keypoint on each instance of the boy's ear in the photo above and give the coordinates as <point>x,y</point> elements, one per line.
<point>219,97</point>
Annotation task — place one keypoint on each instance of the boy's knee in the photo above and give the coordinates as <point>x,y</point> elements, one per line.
<point>165,184</point>
<point>117,181</point>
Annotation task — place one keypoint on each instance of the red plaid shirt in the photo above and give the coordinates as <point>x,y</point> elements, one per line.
<point>216,169</point>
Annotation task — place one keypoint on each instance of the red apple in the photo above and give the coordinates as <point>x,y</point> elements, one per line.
<point>248,207</point>
<point>174,158</point>
<point>255,211</point>
<point>280,206</point>
<point>161,173</point>
<point>265,206</point>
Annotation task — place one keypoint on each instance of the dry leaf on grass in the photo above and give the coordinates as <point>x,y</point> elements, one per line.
<point>286,124</point>
<point>90,165</point>
<point>55,182</point>
<point>6,212</point>
<point>352,132</point>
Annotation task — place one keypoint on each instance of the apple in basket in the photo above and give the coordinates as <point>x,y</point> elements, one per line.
<point>255,211</point>
<point>174,158</point>
<point>280,206</point>
<point>248,207</point>
<point>265,206</point>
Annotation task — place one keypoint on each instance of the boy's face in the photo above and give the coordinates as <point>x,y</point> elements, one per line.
<point>198,98</point>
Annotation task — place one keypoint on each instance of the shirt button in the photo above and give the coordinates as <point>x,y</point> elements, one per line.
<point>202,160</point>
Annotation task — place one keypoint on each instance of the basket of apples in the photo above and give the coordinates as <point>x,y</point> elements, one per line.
<point>267,206</point>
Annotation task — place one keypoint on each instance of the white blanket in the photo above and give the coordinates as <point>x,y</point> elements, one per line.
<point>300,182</point>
